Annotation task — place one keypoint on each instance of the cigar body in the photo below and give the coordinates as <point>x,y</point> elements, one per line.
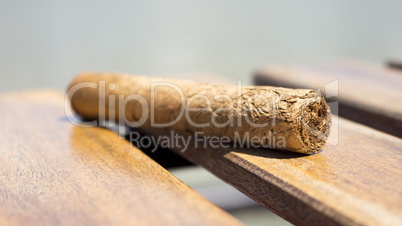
<point>297,120</point>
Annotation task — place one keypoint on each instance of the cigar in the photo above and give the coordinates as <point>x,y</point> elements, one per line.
<point>297,120</point>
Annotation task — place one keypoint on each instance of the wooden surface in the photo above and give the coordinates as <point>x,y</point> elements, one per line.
<point>55,173</point>
<point>358,181</point>
<point>367,94</point>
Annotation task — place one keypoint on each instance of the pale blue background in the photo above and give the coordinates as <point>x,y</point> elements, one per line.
<point>45,43</point>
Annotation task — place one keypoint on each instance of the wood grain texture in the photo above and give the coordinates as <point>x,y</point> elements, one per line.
<point>367,94</point>
<point>55,173</point>
<point>358,181</point>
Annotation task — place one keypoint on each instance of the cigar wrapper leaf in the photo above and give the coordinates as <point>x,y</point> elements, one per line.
<point>297,120</point>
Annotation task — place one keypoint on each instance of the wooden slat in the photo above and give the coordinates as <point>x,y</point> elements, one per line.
<point>358,181</point>
<point>367,94</point>
<point>55,173</point>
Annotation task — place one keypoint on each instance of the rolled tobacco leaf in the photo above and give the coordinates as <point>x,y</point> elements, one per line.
<point>297,120</point>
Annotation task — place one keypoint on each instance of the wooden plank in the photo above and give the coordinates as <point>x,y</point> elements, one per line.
<point>367,94</point>
<point>357,181</point>
<point>55,173</point>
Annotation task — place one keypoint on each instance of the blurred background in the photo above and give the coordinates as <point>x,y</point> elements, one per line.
<point>43,44</point>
